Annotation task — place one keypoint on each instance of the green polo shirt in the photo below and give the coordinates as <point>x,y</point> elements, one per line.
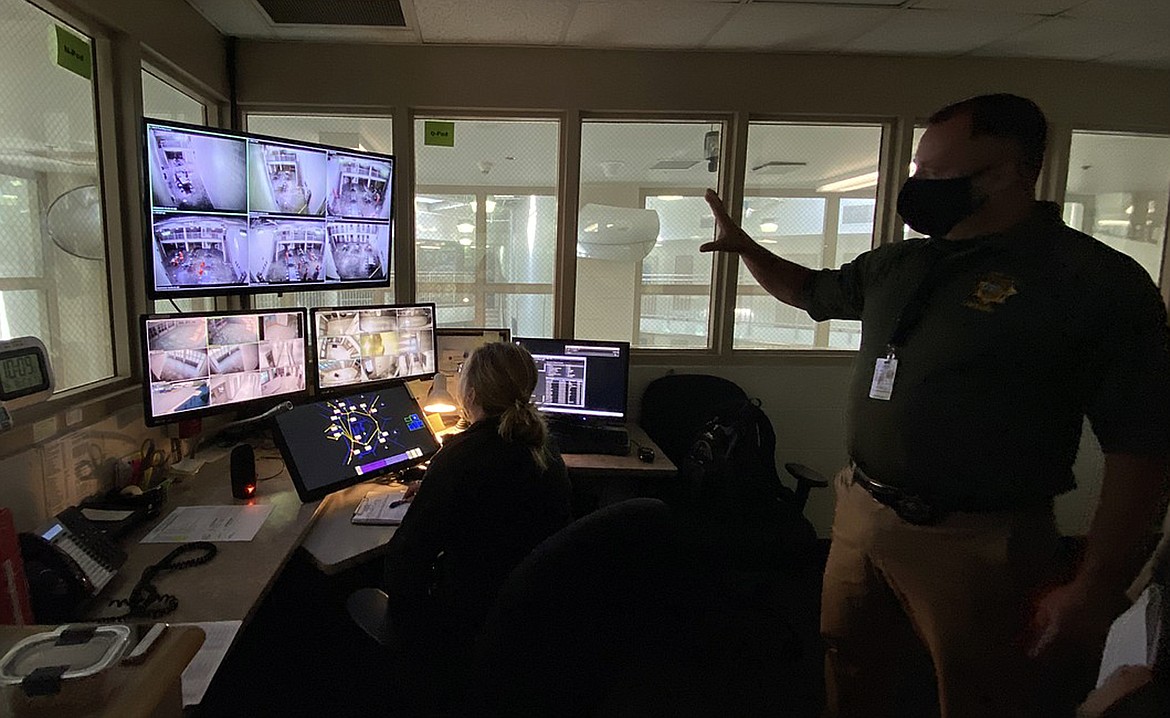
<point>1022,335</point>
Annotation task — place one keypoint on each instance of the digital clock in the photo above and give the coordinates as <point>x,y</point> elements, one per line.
<point>25,374</point>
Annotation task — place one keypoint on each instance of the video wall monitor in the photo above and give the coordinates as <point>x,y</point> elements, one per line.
<point>231,213</point>
<point>453,346</point>
<point>580,379</point>
<point>197,364</point>
<point>364,346</point>
<point>331,444</point>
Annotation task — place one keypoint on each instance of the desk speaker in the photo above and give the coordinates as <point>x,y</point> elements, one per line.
<point>243,472</point>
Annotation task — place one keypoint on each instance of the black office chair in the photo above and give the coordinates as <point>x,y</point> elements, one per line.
<point>367,608</point>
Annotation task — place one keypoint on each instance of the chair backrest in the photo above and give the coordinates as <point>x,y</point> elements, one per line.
<point>676,407</point>
<point>576,611</point>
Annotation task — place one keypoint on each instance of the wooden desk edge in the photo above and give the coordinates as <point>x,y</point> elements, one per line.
<point>145,686</point>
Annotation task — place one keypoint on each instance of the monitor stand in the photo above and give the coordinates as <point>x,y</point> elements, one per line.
<point>576,437</point>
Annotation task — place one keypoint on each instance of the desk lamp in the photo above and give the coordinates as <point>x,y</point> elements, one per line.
<point>439,400</point>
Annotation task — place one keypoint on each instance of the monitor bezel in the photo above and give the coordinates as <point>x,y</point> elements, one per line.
<point>149,417</point>
<point>248,290</point>
<point>319,390</point>
<point>306,495</point>
<point>570,417</point>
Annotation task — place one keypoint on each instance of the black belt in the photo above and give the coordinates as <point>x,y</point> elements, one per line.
<point>910,507</point>
<point>925,511</point>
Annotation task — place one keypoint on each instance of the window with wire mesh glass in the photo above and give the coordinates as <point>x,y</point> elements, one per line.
<point>365,133</point>
<point>1117,191</point>
<point>809,196</point>
<point>164,101</point>
<point>640,275</point>
<point>486,224</point>
<point>54,282</point>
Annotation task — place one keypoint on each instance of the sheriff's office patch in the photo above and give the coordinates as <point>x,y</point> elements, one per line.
<point>990,290</point>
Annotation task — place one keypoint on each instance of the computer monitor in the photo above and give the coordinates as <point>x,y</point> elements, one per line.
<point>365,346</point>
<point>453,346</point>
<point>331,444</point>
<point>580,380</point>
<point>198,364</point>
<point>233,212</point>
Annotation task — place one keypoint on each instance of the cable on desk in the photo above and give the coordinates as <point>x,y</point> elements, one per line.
<point>145,601</point>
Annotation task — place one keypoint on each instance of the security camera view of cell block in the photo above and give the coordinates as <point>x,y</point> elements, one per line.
<point>287,251</point>
<point>196,172</point>
<point>200,250</point>
<point>286,180</point>
<point>359,187</point>
<point>358,251</point>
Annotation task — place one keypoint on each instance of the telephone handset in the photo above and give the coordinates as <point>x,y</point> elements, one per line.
<point>67,561</point>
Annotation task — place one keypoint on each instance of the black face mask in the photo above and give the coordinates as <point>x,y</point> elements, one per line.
<point>934,206</point>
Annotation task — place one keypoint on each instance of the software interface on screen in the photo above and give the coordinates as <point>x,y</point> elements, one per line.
<point>235,212</point>
<point>373,344</point>
<point>578,378</point>
<point>333,443</point>
<point>197,363</point>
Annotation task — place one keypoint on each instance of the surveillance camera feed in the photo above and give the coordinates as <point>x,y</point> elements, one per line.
<point>197,363</point>
<point>242,213</point>
<point>362,345</point>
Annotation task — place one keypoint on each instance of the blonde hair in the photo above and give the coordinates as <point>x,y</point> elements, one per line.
<point>502,377</point>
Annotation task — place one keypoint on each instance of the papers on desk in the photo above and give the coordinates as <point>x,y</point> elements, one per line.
<point>210,523</point>
<point>381,508</point>
<point>199,672</point>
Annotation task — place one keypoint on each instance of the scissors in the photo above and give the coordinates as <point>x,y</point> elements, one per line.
<point>151,460</point>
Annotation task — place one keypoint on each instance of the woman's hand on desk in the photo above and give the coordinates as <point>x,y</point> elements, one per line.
<point>411,490</point>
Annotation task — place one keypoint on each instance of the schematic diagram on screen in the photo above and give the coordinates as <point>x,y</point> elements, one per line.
<point>560,381</point>
<point>371,438</point>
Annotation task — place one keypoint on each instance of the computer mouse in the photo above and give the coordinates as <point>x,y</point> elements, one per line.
<point>646,454</point>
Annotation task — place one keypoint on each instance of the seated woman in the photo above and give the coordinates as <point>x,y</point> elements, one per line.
<point>489,496</point>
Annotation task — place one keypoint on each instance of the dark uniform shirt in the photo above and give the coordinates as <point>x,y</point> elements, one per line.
<point>484,504</point>
<point>1021,335</point>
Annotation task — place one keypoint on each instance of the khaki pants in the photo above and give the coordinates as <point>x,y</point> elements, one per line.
<point>899,599</point>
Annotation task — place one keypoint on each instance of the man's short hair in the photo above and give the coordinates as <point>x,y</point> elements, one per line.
<point>1008,116</point>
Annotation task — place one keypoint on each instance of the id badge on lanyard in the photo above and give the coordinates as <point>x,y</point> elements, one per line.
<point>885,369</point>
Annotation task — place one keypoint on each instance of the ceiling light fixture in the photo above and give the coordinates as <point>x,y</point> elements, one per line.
<point>869,179</point>
<point>465,227</point>
<point>769,227</point>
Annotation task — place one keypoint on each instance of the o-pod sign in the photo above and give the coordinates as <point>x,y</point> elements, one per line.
<point>73,53</point>
<point>439,134</point>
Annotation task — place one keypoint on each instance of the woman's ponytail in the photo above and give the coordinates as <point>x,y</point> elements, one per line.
<point>521,423</point>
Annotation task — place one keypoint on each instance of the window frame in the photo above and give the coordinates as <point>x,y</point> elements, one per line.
<point>558,192</point>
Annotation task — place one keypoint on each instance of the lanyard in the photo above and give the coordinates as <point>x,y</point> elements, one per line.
<point>938,271</point>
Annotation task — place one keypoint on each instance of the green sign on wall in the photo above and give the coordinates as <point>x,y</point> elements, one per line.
<point>439,134</point>
<point>73,53</point>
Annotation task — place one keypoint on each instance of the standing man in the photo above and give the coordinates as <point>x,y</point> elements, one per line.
<point>983,349</point>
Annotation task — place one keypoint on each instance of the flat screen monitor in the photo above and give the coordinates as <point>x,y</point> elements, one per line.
<point>453,346</point>
<point>197,364</point>
<point>365,346</point>
<point>231,213</point>
<point>580,379</point>
<point>331,444</point>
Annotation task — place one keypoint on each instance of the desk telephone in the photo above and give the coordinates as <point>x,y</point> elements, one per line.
<point>67,562</point>
<point>71,560</point>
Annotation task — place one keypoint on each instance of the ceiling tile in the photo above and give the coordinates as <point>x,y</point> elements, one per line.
<point>645,24</point>
<point>1029,7</point>
<point>939,32</point>
<point>1070,39</point>
<point>1154,12</point>
<point>503,22</point>
<point>795,27</point>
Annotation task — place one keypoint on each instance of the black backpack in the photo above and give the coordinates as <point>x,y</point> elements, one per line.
<point>731,465</point>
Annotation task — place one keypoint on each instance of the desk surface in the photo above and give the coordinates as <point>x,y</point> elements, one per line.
<point>230,586</point>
